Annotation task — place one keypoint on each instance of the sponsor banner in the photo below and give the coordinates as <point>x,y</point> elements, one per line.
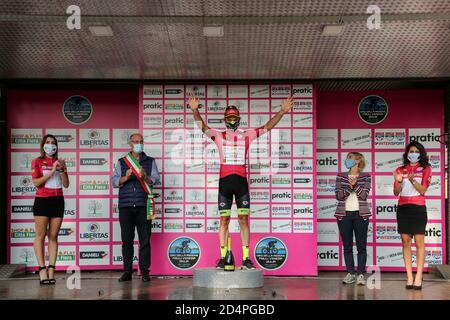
<point>279,136</point>
<point>259,91</point>
<point>237,91</point>
<point>303,121</point>
<point>152,121</point>
<point>94,232</point>
<point>152,106</point>
<point>194,225</point>
<point>71,160</point>
<point>173,211</point>
<point>196,90</point>
<point>327,138</point>
<point>326,208</point>
<point>281,90</point>
<point>184,253</point>
<point>94,162</point>
<point>387,232</point>
<point>94,208</point>
<point>157,225</point>
<point>386,208</point>
<point>213,225</point>
<point>26,138</point>
<point>151,136</point>
<point>384,185</point>
<point>303,226</point>
<point>195,181</point>
<point>435,162</point>
<point>326,185</point>
<point>260,210</point>
<point>390,138</point>
<point>67,138</point>
<point>327,161</point>
<point>94,255</point>
<point>281,211</point>
<point>356,139</point>
<point>94,185</point>
<point>173,225</point>
<point>94,139</point>
<point>257,180</point>
<point>217,91</point>
<point>327,232</point>
<point>328,256</point>
<point>121,138</point>
<point>117,258</point>
<point>22,186</point>
<point>388,161</point>
<point>303,211</point>
<point>302,165</point>
<point>282,226</point>
<point>303,195</point>
<point>195,210</point>
<point>174,121</point>
<point>152,91</point>
<point>21,161</point>
<point>242,106</point>
<point>302,91</point>
<point>21,209</point>
<point>259,226</point>
<point>303,106</point>
<point>173,91</point>
<point>433,255</point>
<point>303,150</point>
<point>389,256</point>
<point>173,181</point>
<point>66,256</point>
<point>22,232</point>
<point>433,233</point>
<point>70,208</point>
<point>429,137</point>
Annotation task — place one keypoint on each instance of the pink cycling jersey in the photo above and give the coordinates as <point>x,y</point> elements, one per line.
<point>409,194</point>
<point>233,148</point>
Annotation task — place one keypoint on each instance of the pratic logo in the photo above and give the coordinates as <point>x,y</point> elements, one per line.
<point>89,255</point>
<point>259,181</point>
<point>433,232</point>
<point>326,159</point>
<point>153,106</point>
<point>303,211</point>
<point>281,195</point>
<point>302,91</point>
<point>328,256</point>
<point>95,139</point>
<point>157,226</point>
<point>174,121</point>
<point>94,232</point>
<point>424,138</point>
<point>383,209</point>
<point>22,185</point>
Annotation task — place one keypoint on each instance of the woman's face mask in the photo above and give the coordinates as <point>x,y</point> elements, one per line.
<point>349,163</point>
<point>413,157</point>
<point>50,149</point>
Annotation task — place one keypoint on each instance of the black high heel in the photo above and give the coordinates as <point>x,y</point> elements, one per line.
<point>45,281</point>
<point>52,280</point>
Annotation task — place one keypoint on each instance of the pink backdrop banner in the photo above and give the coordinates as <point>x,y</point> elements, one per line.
<point>412,115</point>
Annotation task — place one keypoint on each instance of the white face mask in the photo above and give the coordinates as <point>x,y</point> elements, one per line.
<point>50,149</point>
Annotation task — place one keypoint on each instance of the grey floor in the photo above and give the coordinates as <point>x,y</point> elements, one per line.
<point>327,286</point>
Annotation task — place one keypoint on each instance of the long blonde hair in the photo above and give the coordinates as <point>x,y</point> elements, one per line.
<point>360,158</point>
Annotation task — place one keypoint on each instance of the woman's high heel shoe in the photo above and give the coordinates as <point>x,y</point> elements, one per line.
<point>44,281</point>
<point>52,280</point>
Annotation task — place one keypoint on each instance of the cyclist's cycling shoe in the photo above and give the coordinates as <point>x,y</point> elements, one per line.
<point>247,264</point>
<point>221,264</point>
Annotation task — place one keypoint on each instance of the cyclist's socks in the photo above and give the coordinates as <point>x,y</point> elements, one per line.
<point>245,251</point>
<point>223,252</point>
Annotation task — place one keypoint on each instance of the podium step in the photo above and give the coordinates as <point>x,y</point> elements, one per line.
<point>219,279</point>
<point>12,270</point>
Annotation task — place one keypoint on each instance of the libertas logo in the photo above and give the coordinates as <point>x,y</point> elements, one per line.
<point>26,186</point>
<point>94,140</point>
<point>94,233</point>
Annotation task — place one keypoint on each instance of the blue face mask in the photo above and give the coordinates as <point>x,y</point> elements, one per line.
<point>138,148</point>
<point>413,157</point>
<point>349,163</point>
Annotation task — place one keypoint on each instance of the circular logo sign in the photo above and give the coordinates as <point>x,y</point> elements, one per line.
<point>183,253</point>
<point>77,109</point>
<point>271,253</point>
<point>373,109</point>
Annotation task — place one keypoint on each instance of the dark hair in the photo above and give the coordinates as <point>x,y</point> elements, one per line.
<point>423,160</point>
<point>44,138</point>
